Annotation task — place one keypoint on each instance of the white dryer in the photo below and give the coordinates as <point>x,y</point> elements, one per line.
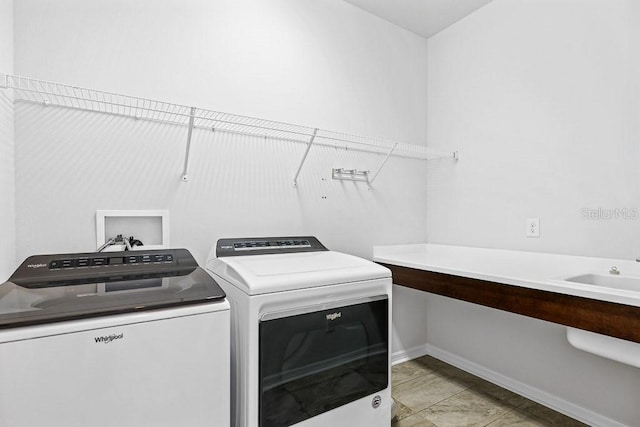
<point>124,339</point>
<point>310,333</point>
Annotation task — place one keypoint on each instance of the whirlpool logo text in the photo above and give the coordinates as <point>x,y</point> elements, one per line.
<point>36,265</point>
<point>334,316</point>
<point>109,338</point>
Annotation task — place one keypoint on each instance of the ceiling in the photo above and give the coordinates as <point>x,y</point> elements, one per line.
<point>423,17</point>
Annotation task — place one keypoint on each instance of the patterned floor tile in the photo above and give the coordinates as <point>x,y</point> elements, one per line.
<point>426,390</point>
<point>549,415</point>
<point>406,371</point>
<point>468,408</point>
<point>402,411</point>
<point>431,393</point>
<point>416,420</point>
<point>519,419</point>
<point>499,393</point>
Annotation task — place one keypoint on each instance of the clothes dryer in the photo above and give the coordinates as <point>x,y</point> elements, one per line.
<point>310,333</point>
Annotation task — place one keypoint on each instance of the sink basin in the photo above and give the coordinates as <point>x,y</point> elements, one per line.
<point>627,283</point>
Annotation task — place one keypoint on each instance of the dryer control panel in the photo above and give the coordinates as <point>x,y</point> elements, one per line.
<point>267,245</point>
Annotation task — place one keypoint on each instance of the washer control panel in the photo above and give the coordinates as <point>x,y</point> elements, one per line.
<point>267,245</point>
<point>109,260</point>
<point>91,266</point>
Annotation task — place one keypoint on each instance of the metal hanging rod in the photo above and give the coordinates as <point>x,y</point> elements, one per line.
<point>73,97</point>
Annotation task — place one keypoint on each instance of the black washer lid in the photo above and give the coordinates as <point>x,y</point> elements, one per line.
<point>54,288</point>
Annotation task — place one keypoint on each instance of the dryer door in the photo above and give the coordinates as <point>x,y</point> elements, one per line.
<point>322,358</point>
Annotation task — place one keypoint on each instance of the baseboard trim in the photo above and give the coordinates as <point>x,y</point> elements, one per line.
<point>554,402</point>
<point>412,353</point>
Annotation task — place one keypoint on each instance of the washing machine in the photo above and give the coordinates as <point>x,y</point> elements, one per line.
<point>124,339</point>
<point>310,333</point>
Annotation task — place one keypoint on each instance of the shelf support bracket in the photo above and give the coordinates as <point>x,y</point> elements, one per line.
<point>375,175</point>
<point>185,176</point>
<point>304,157</point>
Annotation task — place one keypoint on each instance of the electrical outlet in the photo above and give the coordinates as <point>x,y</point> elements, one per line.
<point>533,227</point>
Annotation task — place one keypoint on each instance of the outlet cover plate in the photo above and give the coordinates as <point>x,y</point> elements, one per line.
<point>533,227</point>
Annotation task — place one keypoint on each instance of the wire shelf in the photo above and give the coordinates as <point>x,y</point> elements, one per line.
<point>73,97</point>
<point>67,96</point>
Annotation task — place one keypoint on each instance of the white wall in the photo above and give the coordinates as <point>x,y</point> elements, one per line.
<point>409,329</point>
<point>7,179</point>
<point>542,99</point>
<point>322,63</point>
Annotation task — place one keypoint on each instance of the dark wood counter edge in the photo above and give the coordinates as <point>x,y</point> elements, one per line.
<point>603,317</point>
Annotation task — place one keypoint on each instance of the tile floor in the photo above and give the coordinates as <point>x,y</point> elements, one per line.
<point>431,393</point>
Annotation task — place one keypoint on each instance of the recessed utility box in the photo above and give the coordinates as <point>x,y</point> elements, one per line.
<point>151,227</point>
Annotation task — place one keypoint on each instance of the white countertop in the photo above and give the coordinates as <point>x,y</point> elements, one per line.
<point>527,269</point>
